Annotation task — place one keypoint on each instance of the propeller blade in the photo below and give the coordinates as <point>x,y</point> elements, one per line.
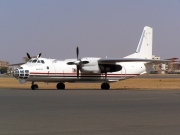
<point>39,55</point>
<point>77,62</point>
<point>70,63</point>
<point>77,52</point>
<point>28,55</point>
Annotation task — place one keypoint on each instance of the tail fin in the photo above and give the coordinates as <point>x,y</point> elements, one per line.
<point>144,49</point>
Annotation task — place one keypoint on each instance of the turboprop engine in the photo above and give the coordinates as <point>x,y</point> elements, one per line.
<point>91,65</point>
<point>94,67</point>
<point>110,68</point>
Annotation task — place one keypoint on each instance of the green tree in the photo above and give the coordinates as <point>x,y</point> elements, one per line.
<point>3,70</point>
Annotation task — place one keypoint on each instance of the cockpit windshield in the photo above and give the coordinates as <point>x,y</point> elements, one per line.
<point>36,61</point>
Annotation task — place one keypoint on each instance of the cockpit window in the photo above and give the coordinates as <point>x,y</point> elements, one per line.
<point>34,61</point>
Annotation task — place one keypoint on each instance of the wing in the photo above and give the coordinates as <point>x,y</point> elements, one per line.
<point>114,60</point>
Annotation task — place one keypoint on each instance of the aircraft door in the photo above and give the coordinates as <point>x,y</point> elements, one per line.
<point>47,68</point>
<point>58,68</point>
<point>50,68</point>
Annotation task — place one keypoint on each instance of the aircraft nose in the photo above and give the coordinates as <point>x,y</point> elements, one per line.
<point>21,73</point>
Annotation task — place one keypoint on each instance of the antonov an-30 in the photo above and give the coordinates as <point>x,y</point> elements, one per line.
<point>89,69</point>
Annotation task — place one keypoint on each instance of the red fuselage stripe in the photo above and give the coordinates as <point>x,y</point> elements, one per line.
<point>42,73</point>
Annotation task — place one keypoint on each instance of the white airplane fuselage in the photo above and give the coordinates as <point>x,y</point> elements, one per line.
<point>53,70</point>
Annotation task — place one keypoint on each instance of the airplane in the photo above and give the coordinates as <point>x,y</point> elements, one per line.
<point>89,69</point>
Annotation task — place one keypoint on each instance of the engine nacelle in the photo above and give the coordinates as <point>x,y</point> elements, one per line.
<point>92,66</point>
<point>110,68</point>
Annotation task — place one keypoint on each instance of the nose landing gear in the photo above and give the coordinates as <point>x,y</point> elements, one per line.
<point>34,86</point>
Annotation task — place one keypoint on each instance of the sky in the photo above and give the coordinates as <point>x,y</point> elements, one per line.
<point>99,28</point>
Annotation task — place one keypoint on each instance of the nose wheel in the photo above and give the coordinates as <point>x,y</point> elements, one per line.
<point>34,86</point>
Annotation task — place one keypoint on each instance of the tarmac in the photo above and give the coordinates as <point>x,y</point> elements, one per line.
<point>89,112</point>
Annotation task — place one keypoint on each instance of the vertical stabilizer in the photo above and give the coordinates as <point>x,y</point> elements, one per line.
<point>144,49</point>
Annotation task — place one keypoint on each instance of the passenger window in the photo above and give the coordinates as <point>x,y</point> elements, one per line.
<point>38,61</point>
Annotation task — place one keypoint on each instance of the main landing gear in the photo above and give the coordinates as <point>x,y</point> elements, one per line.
<point>60,86</point>
<point>105,86</point>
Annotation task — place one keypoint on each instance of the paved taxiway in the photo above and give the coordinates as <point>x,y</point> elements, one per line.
<point>89,112</point>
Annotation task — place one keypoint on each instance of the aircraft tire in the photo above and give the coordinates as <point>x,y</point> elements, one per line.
<point>105,86</point>
<point>34,86</point>
<point>60,86</point>
<point>102,86</point>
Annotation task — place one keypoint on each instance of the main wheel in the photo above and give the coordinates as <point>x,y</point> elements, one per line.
<point>105,86</point>
<point>34,86</point>
<point>60,86</point>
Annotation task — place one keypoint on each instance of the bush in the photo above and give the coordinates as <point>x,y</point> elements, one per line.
<point>3,70</point>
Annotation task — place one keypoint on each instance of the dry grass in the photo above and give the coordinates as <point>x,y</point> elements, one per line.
<point>134,83</point>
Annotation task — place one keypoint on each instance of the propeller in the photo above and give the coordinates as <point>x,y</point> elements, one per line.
<point>78,62</point>
<point>39,55</point>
